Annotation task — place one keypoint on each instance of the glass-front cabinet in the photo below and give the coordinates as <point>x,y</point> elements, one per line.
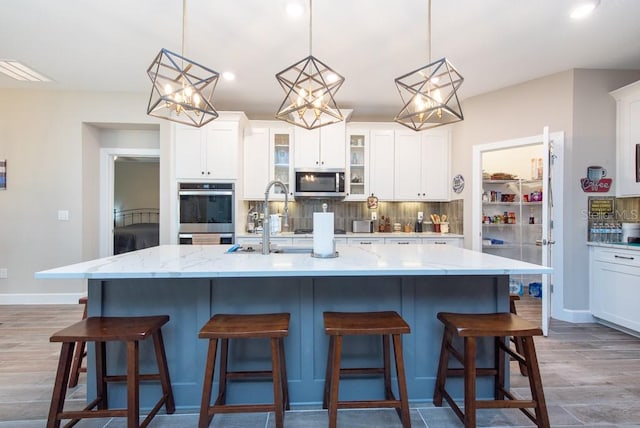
<point>357,160</point>
<point>281,158</point>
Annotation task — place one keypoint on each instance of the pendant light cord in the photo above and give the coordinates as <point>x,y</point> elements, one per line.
<point>310,25</point>
<point>429,31</point>
<point>184,9</point>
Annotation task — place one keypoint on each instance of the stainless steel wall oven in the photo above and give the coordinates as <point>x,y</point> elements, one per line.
<point>206,208</point>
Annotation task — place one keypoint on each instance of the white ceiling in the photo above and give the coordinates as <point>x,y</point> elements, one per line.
<point>108,45</point>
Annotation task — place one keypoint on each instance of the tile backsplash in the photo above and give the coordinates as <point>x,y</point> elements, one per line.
<point>301,212</point>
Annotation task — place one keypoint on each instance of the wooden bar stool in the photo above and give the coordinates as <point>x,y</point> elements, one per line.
<point>498,326</point>
<point>109,329</point>
<point>513,298</point>
<point>385,324</point>
<point>245,326</point>
<point>80,352</point>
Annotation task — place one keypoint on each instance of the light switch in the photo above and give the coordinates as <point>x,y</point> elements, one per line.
<point>4,273</point>
<point>63,215</point>
<point>374,215</point>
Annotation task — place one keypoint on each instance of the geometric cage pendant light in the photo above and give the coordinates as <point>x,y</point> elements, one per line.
<point>429,94</point>
<point>182,89</point>
<point>310,86</point>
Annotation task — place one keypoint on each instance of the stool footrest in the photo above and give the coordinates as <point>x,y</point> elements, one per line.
<point>505,404</point>
<point>84,414</point>
<point>479,372</point>
<point>240,408</point>
<point>361,371</point>
<point>366,404</point>
<point>123,378</point>
<point>249,374</point>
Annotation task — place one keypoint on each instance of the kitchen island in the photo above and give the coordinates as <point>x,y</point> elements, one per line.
<point>190,283</point>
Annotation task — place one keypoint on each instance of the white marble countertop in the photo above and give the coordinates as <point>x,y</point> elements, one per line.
<point>615,246</point>
<point>211,261</point>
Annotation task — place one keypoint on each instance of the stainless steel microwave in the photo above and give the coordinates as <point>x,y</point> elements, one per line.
<point>319,183</point>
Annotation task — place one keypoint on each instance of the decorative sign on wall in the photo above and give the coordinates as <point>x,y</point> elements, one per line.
<point>458,183</point>
<point>596,180</point>
<point>3,174</point>
<point>600,207</point>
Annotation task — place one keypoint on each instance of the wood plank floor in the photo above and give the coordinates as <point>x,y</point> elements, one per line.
<point>591,377</point>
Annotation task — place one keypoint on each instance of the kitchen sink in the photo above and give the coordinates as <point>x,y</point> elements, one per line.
<point>275,249</point>
<point>292,249</point>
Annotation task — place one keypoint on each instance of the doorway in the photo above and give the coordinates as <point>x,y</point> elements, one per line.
<point>110,205</point>
<point>517,209</point>
<point>136,202</point>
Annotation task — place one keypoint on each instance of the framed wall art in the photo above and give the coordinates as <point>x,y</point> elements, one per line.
<point>3,174</point>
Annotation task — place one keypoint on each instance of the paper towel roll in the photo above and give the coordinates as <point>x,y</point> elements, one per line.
<point>323,243</point>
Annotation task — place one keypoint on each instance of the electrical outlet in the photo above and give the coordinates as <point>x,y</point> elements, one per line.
<point>63,215</point>
<point>4,273</point>
<point>374,215</point>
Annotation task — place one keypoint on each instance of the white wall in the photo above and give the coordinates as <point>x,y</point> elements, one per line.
<point>576,102</point>
<point>136,185</point>
<point>52,156</point>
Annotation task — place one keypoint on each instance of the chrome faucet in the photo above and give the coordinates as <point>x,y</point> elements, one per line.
<point>265,223</point>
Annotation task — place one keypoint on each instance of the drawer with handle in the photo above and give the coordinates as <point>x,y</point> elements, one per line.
<point>611,255</point>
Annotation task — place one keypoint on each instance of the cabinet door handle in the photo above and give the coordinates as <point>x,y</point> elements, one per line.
<point>365,243</point>
<point>440,243</point>
<point>403,243</point>
<point>623,257</point>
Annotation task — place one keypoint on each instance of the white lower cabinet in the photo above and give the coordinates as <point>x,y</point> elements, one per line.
<point>614,286</point>
<point>305,240</point>
<point>402,241</point>
<point>456,242</point>
<point>364,240</point>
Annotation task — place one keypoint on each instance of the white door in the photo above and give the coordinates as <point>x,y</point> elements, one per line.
<point>550,256</point>
<point>552,240</point>
<point>547,241</point>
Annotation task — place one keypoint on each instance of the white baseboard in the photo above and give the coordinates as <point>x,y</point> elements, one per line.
<point>40,299</point>
<point>574,316</point>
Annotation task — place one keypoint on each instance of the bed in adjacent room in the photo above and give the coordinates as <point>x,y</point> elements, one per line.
<point>135,229</point>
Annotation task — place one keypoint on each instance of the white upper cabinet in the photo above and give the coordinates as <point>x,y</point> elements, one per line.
<point>381,164</point>
<point>267,155</point>
<point>211,152</point>
<point>627,140</point>
<point>421,170</point>
<point>256,164</point>
<point>322,147</point>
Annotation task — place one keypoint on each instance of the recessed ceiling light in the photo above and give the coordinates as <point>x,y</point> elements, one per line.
<point>227,75</point>
<point>584,9</point>
<point>19,71</point>
<point>295,9</point>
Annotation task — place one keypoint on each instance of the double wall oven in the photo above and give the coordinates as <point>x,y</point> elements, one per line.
<point>206,210</point>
